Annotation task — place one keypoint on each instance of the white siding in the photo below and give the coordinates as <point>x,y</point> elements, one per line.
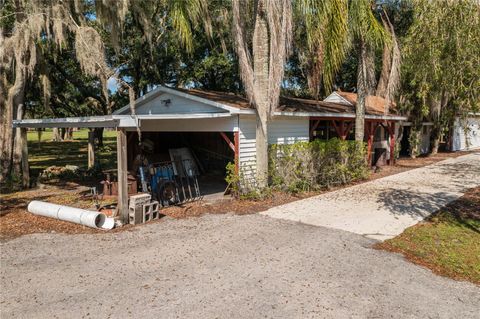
<point>177,104</point>
<point>471,140</point>
<point>247,150</point>
<point>282,130</point>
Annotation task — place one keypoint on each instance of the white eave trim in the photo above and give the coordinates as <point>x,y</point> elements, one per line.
<point>423,123</point>
<point>163,89</point>
<point>111,120</point>
<point>181,116</point>
<point>86,121</point>
<point>341,115</point>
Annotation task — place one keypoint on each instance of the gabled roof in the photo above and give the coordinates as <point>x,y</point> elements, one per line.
<point>343,103</point>
<point>224,98</point>
<point>374,104</point>
<point>338,104</point>
<point>206,98</point>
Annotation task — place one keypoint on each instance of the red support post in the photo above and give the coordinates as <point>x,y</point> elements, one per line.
<point>314,127</point>
<point>236,136</point>
<point>370,132</point>
<point>347,130</point>
<point>337,129</point>
<point>392,142</point>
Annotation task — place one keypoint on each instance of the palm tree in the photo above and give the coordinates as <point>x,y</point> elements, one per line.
<point>324,24</point>
<point>268,25</point>
<point>368,34</point>
<point>332,27</point>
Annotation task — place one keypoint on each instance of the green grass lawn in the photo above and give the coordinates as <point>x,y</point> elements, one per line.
<point>44,152</point>
<point>448,243</point>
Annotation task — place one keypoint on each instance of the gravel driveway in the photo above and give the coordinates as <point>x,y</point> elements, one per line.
<point>384,207</point>
<point>221,266</point>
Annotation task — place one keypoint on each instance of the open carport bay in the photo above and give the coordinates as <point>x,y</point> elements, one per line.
<point>221,266</point>
<point>210,152</point>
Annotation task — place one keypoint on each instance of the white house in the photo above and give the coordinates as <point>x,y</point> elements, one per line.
<point>466,133</point>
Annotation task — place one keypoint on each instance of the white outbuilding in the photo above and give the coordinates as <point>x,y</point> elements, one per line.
<point>220,127</point>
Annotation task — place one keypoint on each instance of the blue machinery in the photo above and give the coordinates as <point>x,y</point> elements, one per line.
<point>172,182</point>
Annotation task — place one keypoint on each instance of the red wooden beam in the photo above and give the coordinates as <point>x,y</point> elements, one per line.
<point>236,136</point>
<point>370,128</point>
<point>347,130</point>
<point>314,127</point>
<point>391,131</point>
<point>337,129</point>
<point>225,137</point>
<point>342,126</point>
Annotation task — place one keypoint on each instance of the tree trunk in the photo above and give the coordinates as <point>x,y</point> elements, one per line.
<point>414,140</point>
<point>399,138</point>
<point>18,143</point>
<point>98,131</point>
<point>261,85</point>
<point>57,137</point>
<point>435,140</point>
<point>365,86</point>
<point>361,93</point>
<point>20,155</point>
<point>436,104</point>
<point>25,164</point>
<point>39,135</point>
<point>68,134</point>
<point>15,97</point>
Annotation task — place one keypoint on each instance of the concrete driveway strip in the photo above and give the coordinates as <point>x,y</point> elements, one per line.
<point>221,266</point>
<point>383,208</point>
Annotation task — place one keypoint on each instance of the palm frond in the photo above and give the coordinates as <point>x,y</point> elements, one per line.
<point>326,31</point>
<point>363,23</point>
<point>244,58</point>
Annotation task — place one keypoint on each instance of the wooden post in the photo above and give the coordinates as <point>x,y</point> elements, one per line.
<point>314,127</point>
<point>25,165</point>
<point>122,174</point>
<point>337,129</point>
<point>347,130</point>
<point>237,151</point>
<point>91,149</point>
<point>392,142</point>
<point>370,131</point>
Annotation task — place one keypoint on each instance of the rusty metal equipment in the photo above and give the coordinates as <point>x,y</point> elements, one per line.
<point>110,184</point>
<point>174,182</point>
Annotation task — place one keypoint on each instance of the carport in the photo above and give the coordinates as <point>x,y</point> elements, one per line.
<point>208,128</point>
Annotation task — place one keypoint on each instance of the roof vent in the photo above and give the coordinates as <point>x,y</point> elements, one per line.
<point>166,102</point>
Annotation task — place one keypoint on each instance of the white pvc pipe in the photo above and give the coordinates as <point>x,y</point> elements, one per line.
<point>71,214</point>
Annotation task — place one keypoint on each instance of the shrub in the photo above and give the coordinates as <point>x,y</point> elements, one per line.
<point>242,186</point>
<point>305,166</point>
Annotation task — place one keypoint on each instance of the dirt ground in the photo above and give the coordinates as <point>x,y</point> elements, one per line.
<point>16,221</point>
<point>227,266</point>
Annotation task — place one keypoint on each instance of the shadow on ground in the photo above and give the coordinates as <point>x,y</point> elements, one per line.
<point>413,203</point>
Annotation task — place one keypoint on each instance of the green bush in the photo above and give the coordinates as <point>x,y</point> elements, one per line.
<point>241,186</point>
<point>306,166</point>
